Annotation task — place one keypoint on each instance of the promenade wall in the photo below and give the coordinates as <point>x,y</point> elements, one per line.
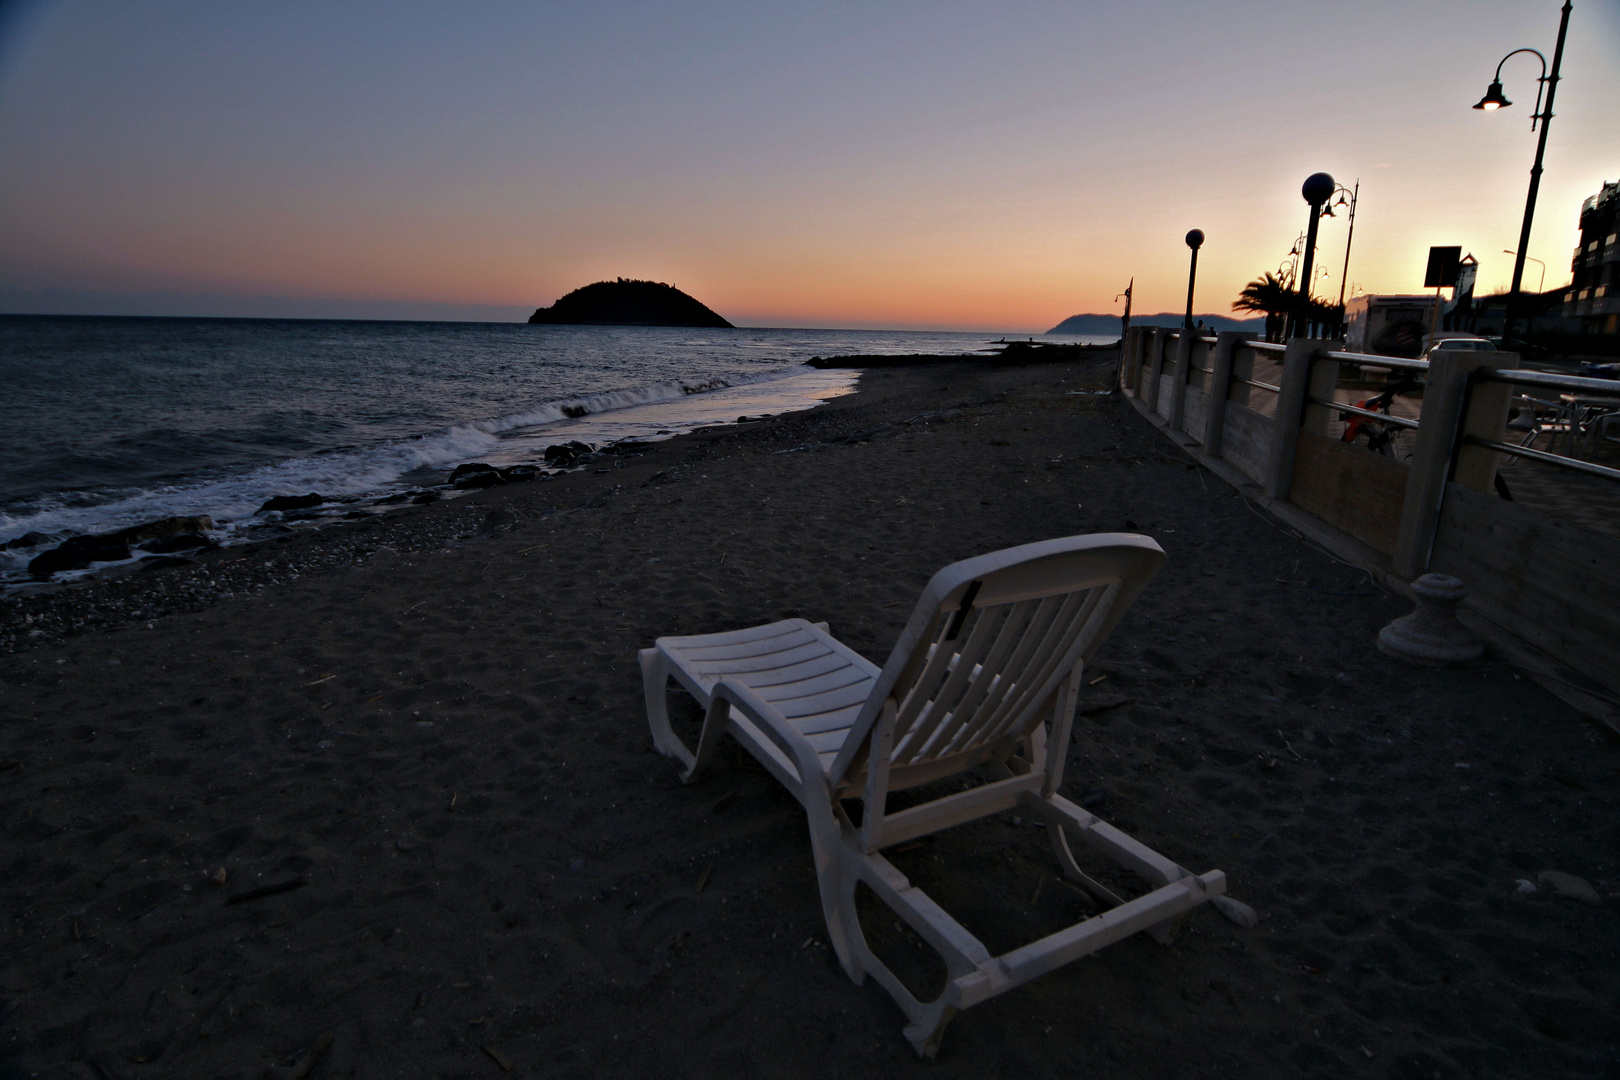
<point>1270,418</point>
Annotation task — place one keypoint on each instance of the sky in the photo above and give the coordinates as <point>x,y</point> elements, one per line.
<point>944,165</point>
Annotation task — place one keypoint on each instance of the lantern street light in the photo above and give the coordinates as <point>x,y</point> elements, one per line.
<point>1195,240</point>
<point>1541,287</point>
<point>1317,189</point>
<point>1494,100</point>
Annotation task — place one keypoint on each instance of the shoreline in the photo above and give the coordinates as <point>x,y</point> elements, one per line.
<point>443,742</point>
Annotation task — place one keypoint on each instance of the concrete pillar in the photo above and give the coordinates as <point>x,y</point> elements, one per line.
<point>1454,405</point>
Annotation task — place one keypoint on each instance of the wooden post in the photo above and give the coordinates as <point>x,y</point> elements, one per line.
<point>1220,386</point>
<point>1452,408</point>
<point>1178,378</point>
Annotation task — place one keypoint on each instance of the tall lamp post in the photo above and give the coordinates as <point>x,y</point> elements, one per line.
<point>1317,189</point>
<point>1494,100</point>
<point>1195,240</point>
<point>1344,196</point>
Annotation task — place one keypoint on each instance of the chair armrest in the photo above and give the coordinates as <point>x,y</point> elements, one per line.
<point>774,726</point>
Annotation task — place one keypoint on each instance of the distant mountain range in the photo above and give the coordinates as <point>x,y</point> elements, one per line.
<point>1109,324</point>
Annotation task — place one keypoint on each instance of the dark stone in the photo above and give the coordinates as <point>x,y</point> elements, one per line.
<point>567,455</point>
<point>629,303</point>
<point>479,480</point>
<point>516,473</point>
<point>27,540</point>
<point>183,542</point>
<point>469,468</point>
<point>78,552</point>
<point>425,498</point>
<point>168,527</point>
<point>290,502</point>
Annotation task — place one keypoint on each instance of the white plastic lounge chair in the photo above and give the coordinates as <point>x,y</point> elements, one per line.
<point>996,645</point>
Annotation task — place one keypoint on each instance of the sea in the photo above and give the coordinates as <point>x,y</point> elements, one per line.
<point>109,422</point>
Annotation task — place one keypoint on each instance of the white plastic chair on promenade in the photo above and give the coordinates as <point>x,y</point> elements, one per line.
<point>995,647</point>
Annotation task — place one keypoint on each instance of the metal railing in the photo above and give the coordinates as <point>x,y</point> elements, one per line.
<point>1548,380</point>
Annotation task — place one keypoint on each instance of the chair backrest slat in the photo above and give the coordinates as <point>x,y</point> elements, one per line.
<point>1022,707</point>
<point>1023,619</point>
<point>997,683</point>
<point>949,703</point>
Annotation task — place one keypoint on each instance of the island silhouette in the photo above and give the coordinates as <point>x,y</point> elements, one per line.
<point>626,302</point>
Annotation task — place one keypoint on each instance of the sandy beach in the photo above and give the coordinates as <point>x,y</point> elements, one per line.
<point>427,729</point>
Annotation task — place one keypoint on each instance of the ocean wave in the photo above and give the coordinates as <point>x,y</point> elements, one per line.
<point>337,475</point>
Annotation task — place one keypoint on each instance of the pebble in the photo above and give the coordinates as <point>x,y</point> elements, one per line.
<point>1524,885</point>
<point>1570,887</point>
<point>577,865</point>
<point>406,842</point>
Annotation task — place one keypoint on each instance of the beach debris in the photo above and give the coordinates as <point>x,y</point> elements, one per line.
<point>1236,911</point>
<point>317,682</point>
<point>703,878</point>
<point>1570,887</point>
<point>792,450</point>
<point>1431,636</point>
<point>497,1057</point>
<point>305,1064</point>
<point>218,876</point>
<point>1524,886</point>
<point>290,502</point>
<point>268,890</point>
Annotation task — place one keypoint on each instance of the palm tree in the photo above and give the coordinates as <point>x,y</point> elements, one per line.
<point>1267,294</point>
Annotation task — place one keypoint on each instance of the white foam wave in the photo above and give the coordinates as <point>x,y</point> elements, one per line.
<point>367,471</point>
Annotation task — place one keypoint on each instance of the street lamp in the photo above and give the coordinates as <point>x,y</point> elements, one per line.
<point>1494,100</point>
<point>1541,286</point>
<point>1195,240</point>
<point>1344,196</point>
<point>1317,189</point>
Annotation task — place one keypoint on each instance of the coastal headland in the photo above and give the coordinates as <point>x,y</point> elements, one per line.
<point>385,790</point>
<point>626,302</point>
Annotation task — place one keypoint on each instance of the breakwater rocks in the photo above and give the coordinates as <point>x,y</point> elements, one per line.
<point>1011,353</point>
<point>175,541</point>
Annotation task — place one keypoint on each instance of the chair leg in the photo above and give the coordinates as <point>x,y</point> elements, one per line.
<point>655,672</point>
<point>837,891</point>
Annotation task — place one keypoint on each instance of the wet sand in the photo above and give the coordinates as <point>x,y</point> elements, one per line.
<point>431,726</point>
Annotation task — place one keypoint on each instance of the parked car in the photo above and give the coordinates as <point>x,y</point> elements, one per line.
<point>1459,343</point>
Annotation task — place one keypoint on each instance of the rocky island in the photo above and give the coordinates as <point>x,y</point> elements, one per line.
<point>626,302</point>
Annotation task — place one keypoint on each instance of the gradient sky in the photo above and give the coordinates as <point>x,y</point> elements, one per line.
<point>945,165</point>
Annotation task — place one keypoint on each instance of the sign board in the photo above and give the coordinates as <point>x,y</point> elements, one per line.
<point>1442,271</point>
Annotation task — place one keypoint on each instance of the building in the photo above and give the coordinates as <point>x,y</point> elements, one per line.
<point>1594,296</point>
